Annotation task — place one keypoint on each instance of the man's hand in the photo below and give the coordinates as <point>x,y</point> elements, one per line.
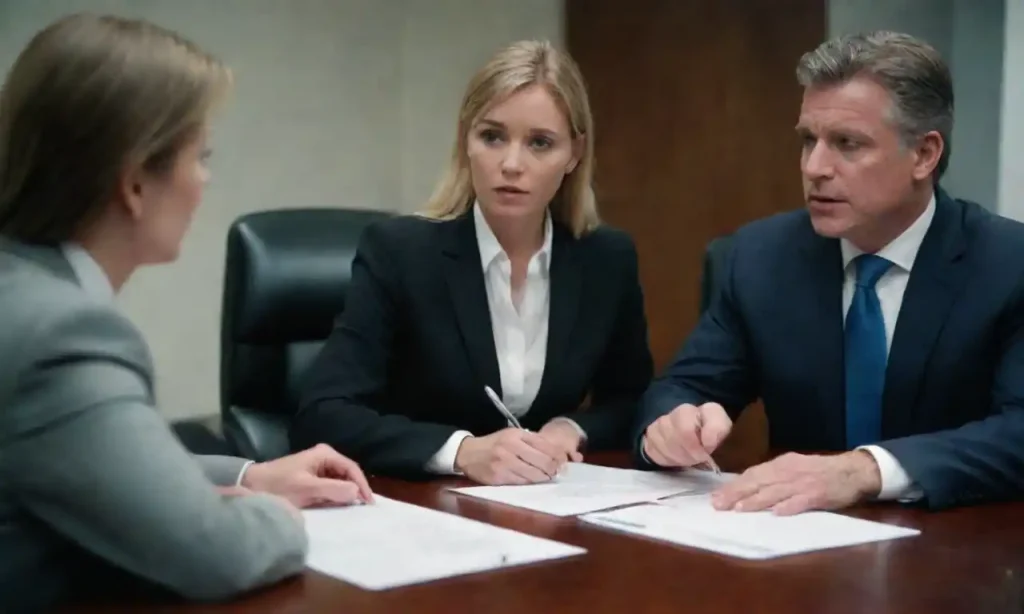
<point>687,435</point>
<point>795,483</point>
<point>317,476</point>
<point>510,456</point>
<point>562,435</point>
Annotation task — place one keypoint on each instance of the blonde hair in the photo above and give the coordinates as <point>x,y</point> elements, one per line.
<point>513,68</point>
<point>89,97</point>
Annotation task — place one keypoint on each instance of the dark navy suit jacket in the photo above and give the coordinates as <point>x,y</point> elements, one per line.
<point>953,406</point>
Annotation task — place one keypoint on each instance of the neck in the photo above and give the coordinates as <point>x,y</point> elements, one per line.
<point>520,238</point>
<point>895,224</point>
<point>114,259</point>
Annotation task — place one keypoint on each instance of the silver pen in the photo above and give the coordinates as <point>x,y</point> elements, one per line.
<point>710,462</point>
<point>512,421</point>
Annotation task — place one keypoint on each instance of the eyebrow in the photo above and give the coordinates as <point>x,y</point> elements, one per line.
<point>535,131</point>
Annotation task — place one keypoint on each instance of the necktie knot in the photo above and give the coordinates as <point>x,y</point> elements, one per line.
<point>869,269</point>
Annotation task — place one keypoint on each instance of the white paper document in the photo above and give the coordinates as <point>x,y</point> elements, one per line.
<point>692,521</point>
<point>390,543</point>
<point>582,488</point>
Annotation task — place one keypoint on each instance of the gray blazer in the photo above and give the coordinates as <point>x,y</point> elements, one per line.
<point>90,472</point>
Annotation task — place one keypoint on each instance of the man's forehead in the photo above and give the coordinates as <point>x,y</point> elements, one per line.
<point>859,103</point>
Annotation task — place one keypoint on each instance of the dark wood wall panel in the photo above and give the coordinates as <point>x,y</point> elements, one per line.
<point>695,103</point>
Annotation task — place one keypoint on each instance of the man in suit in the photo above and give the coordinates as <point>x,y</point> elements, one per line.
<point>885,320</point>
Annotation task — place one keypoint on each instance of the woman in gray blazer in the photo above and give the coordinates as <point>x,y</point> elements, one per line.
<point>103,127</point>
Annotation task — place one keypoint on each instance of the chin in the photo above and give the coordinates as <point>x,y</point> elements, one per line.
<point>829,227</point>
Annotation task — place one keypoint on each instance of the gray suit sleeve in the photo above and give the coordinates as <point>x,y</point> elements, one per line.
<point>222,470</point>
<point>86,453</point>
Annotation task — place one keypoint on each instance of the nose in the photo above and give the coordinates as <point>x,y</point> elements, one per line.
<point>817,162</point>
<point>512,161</point>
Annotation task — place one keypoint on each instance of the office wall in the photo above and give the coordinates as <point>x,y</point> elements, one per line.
<point>1011,174</point>
<point>339,103</point>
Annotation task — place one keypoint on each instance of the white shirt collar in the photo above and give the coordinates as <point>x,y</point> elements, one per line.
<point>490,248</point>
<point>90,276</point>
<point>901,251</point>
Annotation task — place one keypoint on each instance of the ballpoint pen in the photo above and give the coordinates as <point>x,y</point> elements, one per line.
<point>710,462</point>
<point>512,421</point>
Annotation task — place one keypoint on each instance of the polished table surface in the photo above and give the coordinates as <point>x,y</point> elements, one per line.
<point>969,560</point>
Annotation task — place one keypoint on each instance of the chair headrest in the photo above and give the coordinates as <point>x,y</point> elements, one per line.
<point>287,273</point>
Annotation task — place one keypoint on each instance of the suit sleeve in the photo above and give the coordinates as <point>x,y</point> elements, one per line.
<point>344,387</point>
<point>625,370</point>
<point>981,460</point>
<point>713,365</point>
<point>223,470</point>
<point>85,453</point>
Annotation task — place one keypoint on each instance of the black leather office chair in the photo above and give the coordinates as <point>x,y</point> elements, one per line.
<point>286,278</point>
<point>715,256</point>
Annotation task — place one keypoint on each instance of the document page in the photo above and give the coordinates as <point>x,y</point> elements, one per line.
<point>582,488</point>
<point>692,521</point>
<point>389,543</point>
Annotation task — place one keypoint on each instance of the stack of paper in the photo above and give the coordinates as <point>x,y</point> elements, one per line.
<point>390,543</point>
<point>582,488</point>
<point>692,521</point>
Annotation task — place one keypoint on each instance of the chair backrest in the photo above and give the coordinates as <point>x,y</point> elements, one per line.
<point>715,256</point>
<point>286,278</point>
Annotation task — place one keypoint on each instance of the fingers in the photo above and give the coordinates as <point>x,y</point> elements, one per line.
<point>335,464</point>
<point>797,504</point>
<point>558,454</point>
<point>537,464</point>
<point>726,497</point>
<point>715,425</point>
<point>328,491</point>
<point>686,426</point>
<point>657,448</point>
<point>765,497</point>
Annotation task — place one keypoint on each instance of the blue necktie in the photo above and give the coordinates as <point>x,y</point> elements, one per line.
<point>866,355</point>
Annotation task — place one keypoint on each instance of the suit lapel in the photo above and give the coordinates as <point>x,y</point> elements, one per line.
<point>464,274</point>
<point>935,281</point>
<point>566,280</point>
<point>820,313</point>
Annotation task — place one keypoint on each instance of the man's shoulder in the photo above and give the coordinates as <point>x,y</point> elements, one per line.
<point>772,237</point>
<point>997,236</point>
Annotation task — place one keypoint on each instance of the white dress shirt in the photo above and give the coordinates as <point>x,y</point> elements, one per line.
<point>902,252</point>
<point>520,327</point>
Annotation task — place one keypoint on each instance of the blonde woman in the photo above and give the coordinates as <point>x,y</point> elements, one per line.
<point>102,164</point>
<point>507,286</point>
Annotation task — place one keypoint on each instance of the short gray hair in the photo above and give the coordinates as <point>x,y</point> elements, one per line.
<point>911,70</point>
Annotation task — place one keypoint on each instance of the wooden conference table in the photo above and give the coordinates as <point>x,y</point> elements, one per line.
<point>969,560</point>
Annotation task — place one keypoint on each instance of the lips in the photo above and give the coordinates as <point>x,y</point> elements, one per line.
<point>510,189</point>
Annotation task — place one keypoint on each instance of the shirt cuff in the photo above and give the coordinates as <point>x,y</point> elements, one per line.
<point>443,461</point>
<point>573,424</point>
<point>896,484</point>
<point>241,474</point>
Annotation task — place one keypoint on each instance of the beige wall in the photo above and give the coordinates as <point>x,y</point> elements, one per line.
<point>346,103</point>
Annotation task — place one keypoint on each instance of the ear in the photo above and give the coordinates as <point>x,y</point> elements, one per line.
<point>578,147</point>
<point>131,190</point>
<point>928,152</point>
